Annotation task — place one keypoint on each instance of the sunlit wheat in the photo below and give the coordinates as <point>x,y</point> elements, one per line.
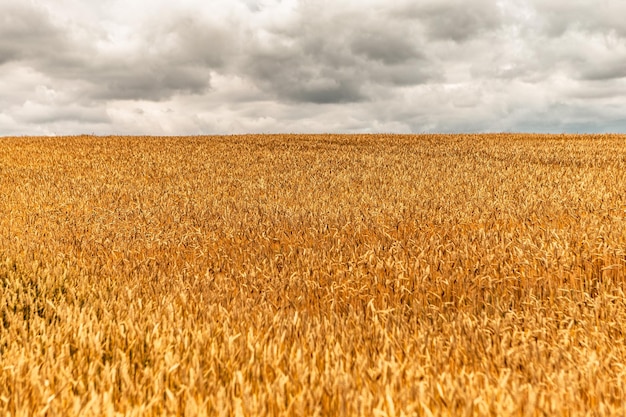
<point>313,275</point>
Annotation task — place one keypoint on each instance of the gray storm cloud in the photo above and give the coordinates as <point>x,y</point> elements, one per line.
<point>195,67</point>
<point>455,20</point>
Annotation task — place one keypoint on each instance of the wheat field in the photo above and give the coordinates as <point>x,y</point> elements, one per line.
<point>313,275</point>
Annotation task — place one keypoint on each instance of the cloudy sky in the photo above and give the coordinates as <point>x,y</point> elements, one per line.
<point>164,67</point>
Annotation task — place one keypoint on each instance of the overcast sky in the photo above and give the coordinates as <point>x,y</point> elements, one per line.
<point>164,67</point>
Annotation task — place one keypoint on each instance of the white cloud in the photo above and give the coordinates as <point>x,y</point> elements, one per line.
<point>194,67</point>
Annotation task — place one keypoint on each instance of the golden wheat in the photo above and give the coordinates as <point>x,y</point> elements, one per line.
<point>313,275</point>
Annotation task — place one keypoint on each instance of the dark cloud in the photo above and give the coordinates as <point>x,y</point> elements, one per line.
<point>27,33</point>
<point>123,82</point>
<point>389,48</point>
<point>455,20</point>
<point>173,57</point>
<point>289,75</point>
<point>191,40</point>
<point>610,71</point>
<point>337,58</point>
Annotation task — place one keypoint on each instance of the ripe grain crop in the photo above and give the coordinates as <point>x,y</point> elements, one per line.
<point>313,275</point>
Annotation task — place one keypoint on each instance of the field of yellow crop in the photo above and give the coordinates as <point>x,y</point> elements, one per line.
<point>374,275</point>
